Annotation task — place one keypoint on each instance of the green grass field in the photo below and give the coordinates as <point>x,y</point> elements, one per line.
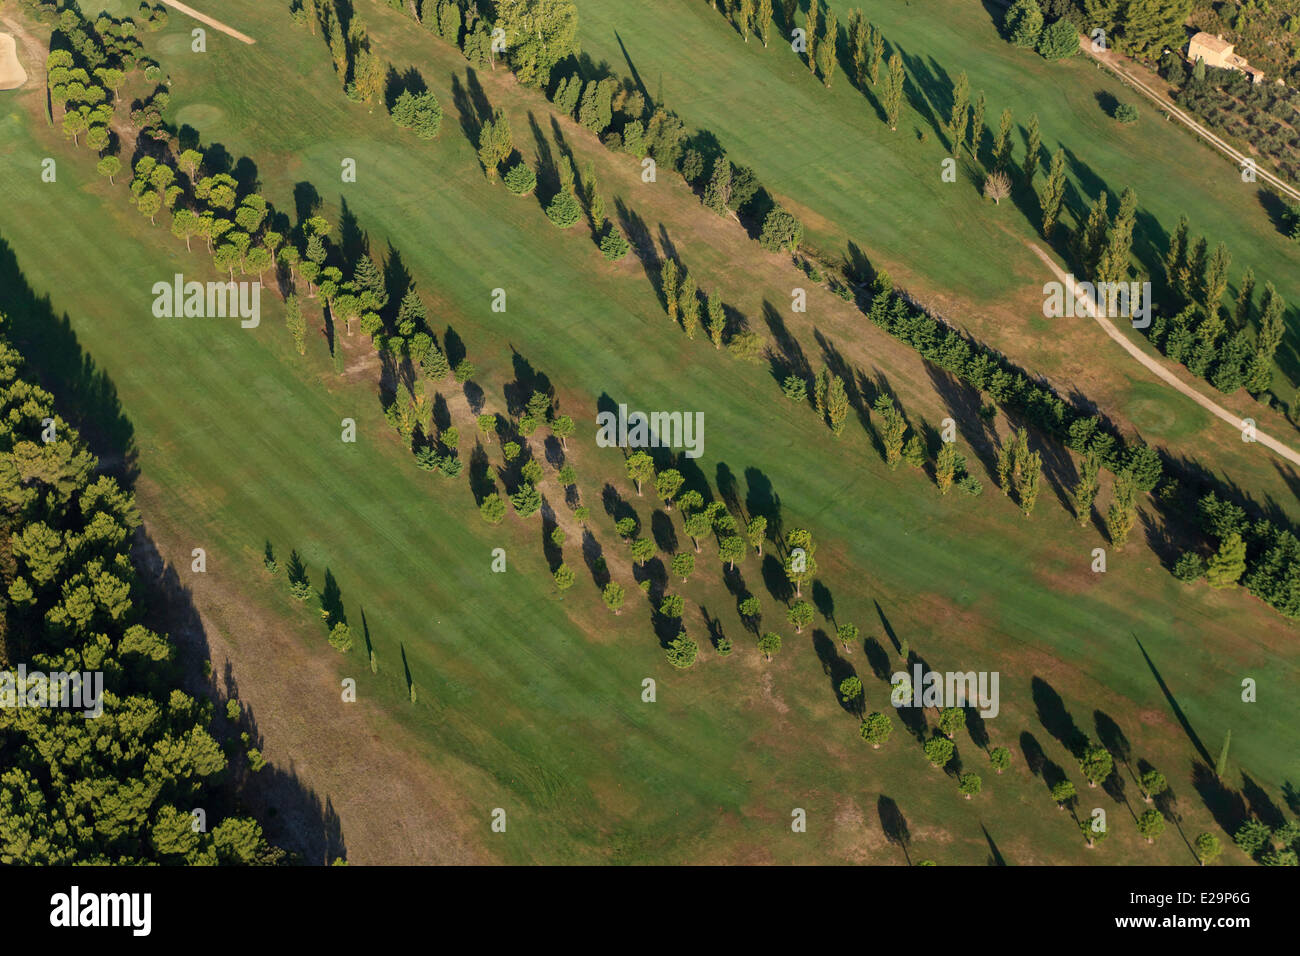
<point>827,153</point>
<point>535,702</point>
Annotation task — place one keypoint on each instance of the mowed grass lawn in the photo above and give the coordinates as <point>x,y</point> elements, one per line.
<point>828,154</point>
<point>540,700</point>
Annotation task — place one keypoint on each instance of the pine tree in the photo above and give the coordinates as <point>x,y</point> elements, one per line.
<point>960,115</point>
<point>892,99</point>
<point>1035,144</point>
<point>877,53</point>
<point>1092,239</point>
<point>1030,471</point>
<point>826,48</point>
<point>1121,514</point>
<point>945,467</point>
<point>1245,293</point>
<point>1193,275</point>
<point>1053,193</point>
<point>977,126</point>
<point>1002,145</point>
<point>1228,564</point>
<point>859,45</point>
<point>1215,283</point>
<point>717,194</point>
<point>689,304</point>
<point>717,323</point>
<point>411,315</point>
<point>296,324</point>
<point>763,20</point>
<point>1119,241</point>
<point>810,21</point>
<point>837,405</point>
<point>1085,492</point>
<point>668,278</point>
<point>1005,466</point>
<point>1176,256</point>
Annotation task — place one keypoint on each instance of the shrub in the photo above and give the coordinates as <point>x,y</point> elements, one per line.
<point>614,247</point>
<point>564,210</point>
<point>520,179</point>
<point>341,638</point>
<point>1190,567</point>
<point>1059,41</point>
<point>781,230</point>
<point>682,651</point>
<point>492,509</point>
<point>746,346</point>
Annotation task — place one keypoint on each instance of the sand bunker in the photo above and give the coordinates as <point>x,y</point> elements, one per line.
<point>12,74</point>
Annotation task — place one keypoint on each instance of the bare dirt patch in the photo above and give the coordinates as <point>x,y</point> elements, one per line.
<point>342,780</point>
<point>12,74</point>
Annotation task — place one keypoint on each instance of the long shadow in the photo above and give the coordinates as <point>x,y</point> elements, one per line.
<point>1055,718</point>
<point>1173,704</point>
<point>894,824</point>
<point>84,394</point>
<point>995,856</point>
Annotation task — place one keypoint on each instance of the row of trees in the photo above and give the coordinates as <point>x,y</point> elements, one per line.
<point>693,308</point>
<point>1212,340</point>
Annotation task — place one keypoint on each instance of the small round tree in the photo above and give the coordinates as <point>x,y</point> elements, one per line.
<point>643,549</point>
<point>1153,784</point>
<point>968,784</point>
<point>1000,759</point>
<point>1092,834</point>
<point>848,635</point>
<point>951,720</point>
<point>1207,847</point>
<point>938,750</point>
<point>672,606</point>
<point>1063,793</point>
<point>851,693</point>
<point>613,596</point>
<point>801,615</point>
<point>1126,114</point>
<point>683,565</point>
<point>1096,764</point>
<point>769,644</point>
<point>1151,824</point>
<point>876,729</point>
<point>563,578</point>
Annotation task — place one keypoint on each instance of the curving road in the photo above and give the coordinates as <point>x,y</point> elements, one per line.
<point>1161,372</point>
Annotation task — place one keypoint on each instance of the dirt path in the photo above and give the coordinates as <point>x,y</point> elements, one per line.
<point>1156,367</point>
<point>215,24</point>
